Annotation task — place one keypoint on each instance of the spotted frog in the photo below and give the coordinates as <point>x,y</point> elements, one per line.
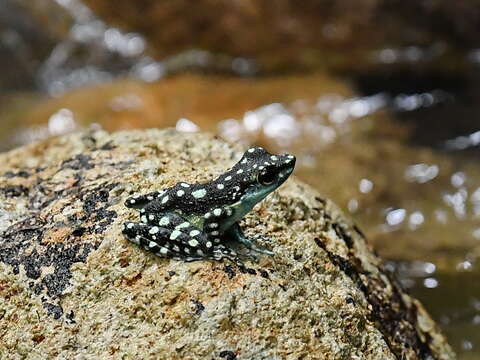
<point>197,221</point>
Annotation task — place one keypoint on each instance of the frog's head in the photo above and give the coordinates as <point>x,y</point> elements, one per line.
<point>257,174</point>
<point>266,171</point>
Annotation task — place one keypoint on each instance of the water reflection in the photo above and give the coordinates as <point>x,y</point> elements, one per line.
<point>464,142</point>
<point>185,125</point>
<point>453,299</point>
<point>94,53</point>
<point>365,186</point>
<point>409,54</point>
<point>421,173</point>
<point>61,122</point>
<point>395,217</point>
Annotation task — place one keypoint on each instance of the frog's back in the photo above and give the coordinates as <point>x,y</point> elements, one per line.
<point>194,198</point>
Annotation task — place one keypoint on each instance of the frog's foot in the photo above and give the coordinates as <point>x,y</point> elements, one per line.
<point>236,234</point>
<point>138,233</point>
<point>250,243</point>
<point>221,252</point>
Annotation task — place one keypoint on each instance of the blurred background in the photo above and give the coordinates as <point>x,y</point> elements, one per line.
<point>378,99</point>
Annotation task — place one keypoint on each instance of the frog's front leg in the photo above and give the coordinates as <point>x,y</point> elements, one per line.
<point>236,233</point>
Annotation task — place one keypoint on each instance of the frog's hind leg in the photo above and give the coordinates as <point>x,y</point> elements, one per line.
<point>141,235</point>
<point>178,239</point>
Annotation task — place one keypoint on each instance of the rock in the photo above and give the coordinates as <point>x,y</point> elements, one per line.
<point>126,104</point>
<point>29,32</point>
<point>74,287</point>
<point>344,35</point>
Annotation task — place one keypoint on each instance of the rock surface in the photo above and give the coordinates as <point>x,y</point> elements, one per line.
<point>72,286</point>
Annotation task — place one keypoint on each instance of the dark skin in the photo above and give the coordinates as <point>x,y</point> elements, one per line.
<point>193,221</point>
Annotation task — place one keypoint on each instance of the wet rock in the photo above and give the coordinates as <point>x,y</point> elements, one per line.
<point>205,100</point>
<point>89,292</point>
<point>347,35</point>
<point>28,33</point>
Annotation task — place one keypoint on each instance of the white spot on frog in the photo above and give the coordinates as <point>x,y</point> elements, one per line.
<point>164,221</point>
<point>182,225</point>
<point>175,234</point>
<point>197,194</point>
<point>164,251</point>
<point>193,243</point>
<point>154,230</point>
<point>194,233</point>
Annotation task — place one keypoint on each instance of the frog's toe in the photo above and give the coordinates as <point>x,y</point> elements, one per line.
<point>221,252</point>
<point>262,250</point>
<point>251,245</point>
<point>131,230</point>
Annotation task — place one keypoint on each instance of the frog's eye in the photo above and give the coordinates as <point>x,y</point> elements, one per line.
<point>266,177</point>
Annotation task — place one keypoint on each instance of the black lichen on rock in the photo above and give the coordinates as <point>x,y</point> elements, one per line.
<point>78,162</point>
<point>37,243</point>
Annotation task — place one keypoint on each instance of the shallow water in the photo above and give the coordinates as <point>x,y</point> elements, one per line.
<point>401,159</point>
<point>453,299</point>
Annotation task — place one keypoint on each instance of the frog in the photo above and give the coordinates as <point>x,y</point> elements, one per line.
<point>200,221</point>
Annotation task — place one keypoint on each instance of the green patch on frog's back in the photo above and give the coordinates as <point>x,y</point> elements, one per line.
<point>195,219</point>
